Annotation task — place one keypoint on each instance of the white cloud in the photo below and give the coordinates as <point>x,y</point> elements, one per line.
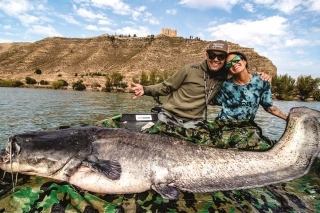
<point>141,8</point>
<point>205,4</point>
<point>7,27</point>
<point>268,32</point>
<point>268,2</point>
<point>302,52</point>
<point>297,42</point>
<point>138,12</point>
<point>136,15</point>
<point>27,12</point>
<point>213,23</point>
<point>69,19</point>
<point>5,40</point>
<point>315,29</point>
<point>89,14</point>
<point>150,19</point>
<point>139,31</point>
<point>171,12</point>
<point>40,7</point>
<point>15,7</point>
<point>92,27</point>
<point>44,30</point>
<point>100,29</point>
<point>313,5</point>
<point>27,19</point>
<point>248,7</point>
<point>117,6</point>
<point>20,9</point>
<point>287,6</point>
<point>106,29</point>
<point>104,22</point>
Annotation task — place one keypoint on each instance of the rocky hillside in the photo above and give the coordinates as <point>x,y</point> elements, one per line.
<point>63,58</point>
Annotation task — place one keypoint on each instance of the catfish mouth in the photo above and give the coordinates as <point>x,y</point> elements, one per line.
<point>12,150</point>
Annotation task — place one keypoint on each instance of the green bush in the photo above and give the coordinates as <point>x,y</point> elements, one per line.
<point>316,95</point>
<point>38,71</point>
<point>30,80</point>
<point>10,83</point>
<point>78,85</point>
<point>96,74</point>
<point>59,84</point>
<point>65,83</point>
<point>43,82</point>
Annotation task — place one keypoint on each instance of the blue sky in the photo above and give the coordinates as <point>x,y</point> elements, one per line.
<point>285,31</point>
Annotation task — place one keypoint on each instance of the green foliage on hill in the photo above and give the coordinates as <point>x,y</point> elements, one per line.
<point>38,71</point>
<point>10,83</point>
<point>78,85</point>
<point>115,81</point>
<point>154,77</point>
<point>59,84</point>
<point>43,82</point>
<point>30,80</point>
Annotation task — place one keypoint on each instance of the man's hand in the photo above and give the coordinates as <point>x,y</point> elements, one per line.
<point>137,89</point>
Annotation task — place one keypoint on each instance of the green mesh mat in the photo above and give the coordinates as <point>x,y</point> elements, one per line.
<point>38,194</point>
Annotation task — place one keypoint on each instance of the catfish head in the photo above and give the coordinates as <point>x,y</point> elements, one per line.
<point>47,153</point>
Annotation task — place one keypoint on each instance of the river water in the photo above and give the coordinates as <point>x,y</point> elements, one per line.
<point>24,109</point>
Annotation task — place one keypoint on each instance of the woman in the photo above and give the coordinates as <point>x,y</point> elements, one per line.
<point>240,97</point>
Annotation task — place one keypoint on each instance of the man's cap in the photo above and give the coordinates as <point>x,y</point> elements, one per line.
<point>218,45</point>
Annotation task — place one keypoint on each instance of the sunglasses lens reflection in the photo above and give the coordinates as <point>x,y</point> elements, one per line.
<point>220,57</point>
<point>235,60</point>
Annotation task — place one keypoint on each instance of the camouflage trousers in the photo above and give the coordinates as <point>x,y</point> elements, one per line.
<point>239,135</point>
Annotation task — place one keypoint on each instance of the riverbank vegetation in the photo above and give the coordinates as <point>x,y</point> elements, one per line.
<point>284,87</point>
<point>10,83</point>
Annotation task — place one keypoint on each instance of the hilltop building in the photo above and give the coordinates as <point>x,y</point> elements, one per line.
<point>169,32</point>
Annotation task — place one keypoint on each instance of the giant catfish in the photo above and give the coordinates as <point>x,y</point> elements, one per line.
<point>119,161</point>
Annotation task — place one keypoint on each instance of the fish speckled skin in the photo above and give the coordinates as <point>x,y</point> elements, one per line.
<point>118,161</point>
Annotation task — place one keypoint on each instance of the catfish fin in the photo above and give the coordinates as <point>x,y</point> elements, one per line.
<point>166,191</point>
<point>109,168</point>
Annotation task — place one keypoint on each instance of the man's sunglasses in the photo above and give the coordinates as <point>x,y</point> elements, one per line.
<point>236,59</point>
<point>220,57</point>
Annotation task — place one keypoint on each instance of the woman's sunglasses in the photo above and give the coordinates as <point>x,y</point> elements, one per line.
<point>235,60</point>
<point>220,57</point>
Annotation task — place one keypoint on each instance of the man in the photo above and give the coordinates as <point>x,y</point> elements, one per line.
<point>189,91</point>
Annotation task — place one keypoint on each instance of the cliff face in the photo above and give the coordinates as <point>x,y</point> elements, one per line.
<point>62,58</point>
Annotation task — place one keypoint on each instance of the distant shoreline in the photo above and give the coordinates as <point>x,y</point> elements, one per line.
<point>126,91</point>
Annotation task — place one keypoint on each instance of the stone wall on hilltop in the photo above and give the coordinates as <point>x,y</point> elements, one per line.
<point>72,59</point>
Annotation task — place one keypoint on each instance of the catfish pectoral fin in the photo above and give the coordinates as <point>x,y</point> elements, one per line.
<point>109,168</point>
<point>166,191</point>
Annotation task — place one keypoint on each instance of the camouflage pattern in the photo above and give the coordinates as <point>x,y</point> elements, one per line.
<point>239,135</point>
<point>37,194</point>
